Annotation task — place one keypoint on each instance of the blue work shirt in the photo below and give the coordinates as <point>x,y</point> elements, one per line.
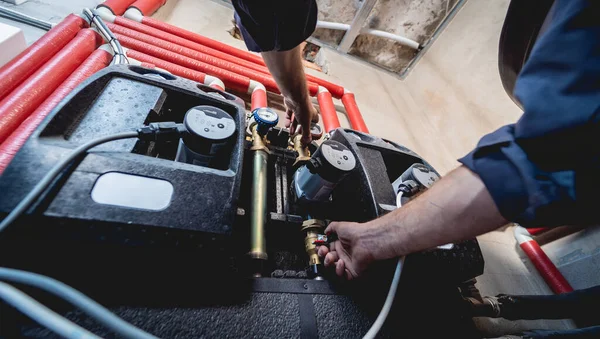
<point>545,169</point>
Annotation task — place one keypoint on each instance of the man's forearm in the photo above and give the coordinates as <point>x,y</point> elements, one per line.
<point>456,208</point>
<point>287,70</point>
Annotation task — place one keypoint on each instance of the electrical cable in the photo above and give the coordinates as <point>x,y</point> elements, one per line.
<point>389,301</point>
<point>76,298</point>
<point>41,186</point>
<point>43,315</point>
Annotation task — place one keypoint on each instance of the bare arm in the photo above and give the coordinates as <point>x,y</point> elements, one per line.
<point>456,208</point>
<point>288,71</point>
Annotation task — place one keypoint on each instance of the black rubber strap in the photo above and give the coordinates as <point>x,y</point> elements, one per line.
<point>308,319</point>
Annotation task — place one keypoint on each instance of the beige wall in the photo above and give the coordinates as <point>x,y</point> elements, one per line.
<point>451,98</point>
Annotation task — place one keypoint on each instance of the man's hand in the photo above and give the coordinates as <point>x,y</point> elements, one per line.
<point>304,114</point>
<point>288,71</point>
<point>455,209</point>
<point>349,254</point>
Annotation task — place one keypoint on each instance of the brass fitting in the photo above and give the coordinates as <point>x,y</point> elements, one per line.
<point>303,152</point>
<point>258,143</point>
<point>311,228</point>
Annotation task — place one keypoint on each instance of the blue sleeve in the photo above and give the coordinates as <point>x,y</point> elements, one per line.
<point>545,169</point>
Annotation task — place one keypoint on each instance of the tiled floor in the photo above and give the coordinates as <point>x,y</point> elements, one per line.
<point>447,103</point>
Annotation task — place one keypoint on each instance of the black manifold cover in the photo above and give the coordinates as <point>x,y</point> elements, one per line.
<point>117,99</point>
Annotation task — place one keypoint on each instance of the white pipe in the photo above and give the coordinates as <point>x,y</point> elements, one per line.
<point>399,39</point>
<point>375,32</point>
<point>333,25</point>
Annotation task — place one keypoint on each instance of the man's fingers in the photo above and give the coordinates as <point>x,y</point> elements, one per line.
<point>322,251</point>
<point>340,268</point>
<point>349,275</point>
<point>332,228</point>
<point>331,258</point>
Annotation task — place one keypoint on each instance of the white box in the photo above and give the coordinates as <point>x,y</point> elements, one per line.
<point>12,42</point>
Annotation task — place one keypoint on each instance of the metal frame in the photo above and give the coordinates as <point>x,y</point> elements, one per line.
<point>356,26</point>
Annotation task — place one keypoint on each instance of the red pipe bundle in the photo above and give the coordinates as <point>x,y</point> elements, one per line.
<point>117,7</point>
<point>15,108</point>
<point>328,112</point>
<point>241,84</point>
<point>180,32</point>
<point>225,75</point>
<point>200,62</point>
<point>546,267</point>
<point>95,62</point>
<point>133,29</point>
<point>22,66</point>
<point>356,120</point>
<point>336,90</point>
<point>148,7</point>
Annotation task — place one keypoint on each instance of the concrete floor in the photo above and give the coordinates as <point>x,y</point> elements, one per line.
<point>451,99</point>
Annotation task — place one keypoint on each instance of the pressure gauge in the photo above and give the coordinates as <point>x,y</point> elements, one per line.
<point>265,119</point>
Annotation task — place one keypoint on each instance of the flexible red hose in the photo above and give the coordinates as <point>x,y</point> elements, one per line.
<point>95,62</point>
<point>15,108</point>
<point>546,267</point>
<point>180,32</point>
<point>24,64</point>
<point>132,29</point>
<point>117,7</point>
<point>356,120</point>
<point>161,53</point>
<point>328,112</point>
<point>258,99</point>
<point>203,63</point>
<point>148,7</point>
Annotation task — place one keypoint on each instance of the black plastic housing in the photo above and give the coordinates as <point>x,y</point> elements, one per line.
<point>117,99</point>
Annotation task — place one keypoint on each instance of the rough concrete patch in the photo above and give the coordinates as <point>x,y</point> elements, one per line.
<point>414,19</point>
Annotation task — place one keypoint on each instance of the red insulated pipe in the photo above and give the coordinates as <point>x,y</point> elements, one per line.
<point>336,90</point>
<point>537,230</point>
<point>198,61</point>
<point>328,112</point>
<point>117,7</point>
<point>148,65</point>
<point>148,7</point>
<point>241,85</point>
<point>23,65</point>
<point>258,99</point>
<point>546,268</point>
<point>180,32</point>
<point>133,29</point>
<point>356,120</point>
<point>168,66</point>
<point>95,62</point>
<point>223,74</point>
<point>15,108</point>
